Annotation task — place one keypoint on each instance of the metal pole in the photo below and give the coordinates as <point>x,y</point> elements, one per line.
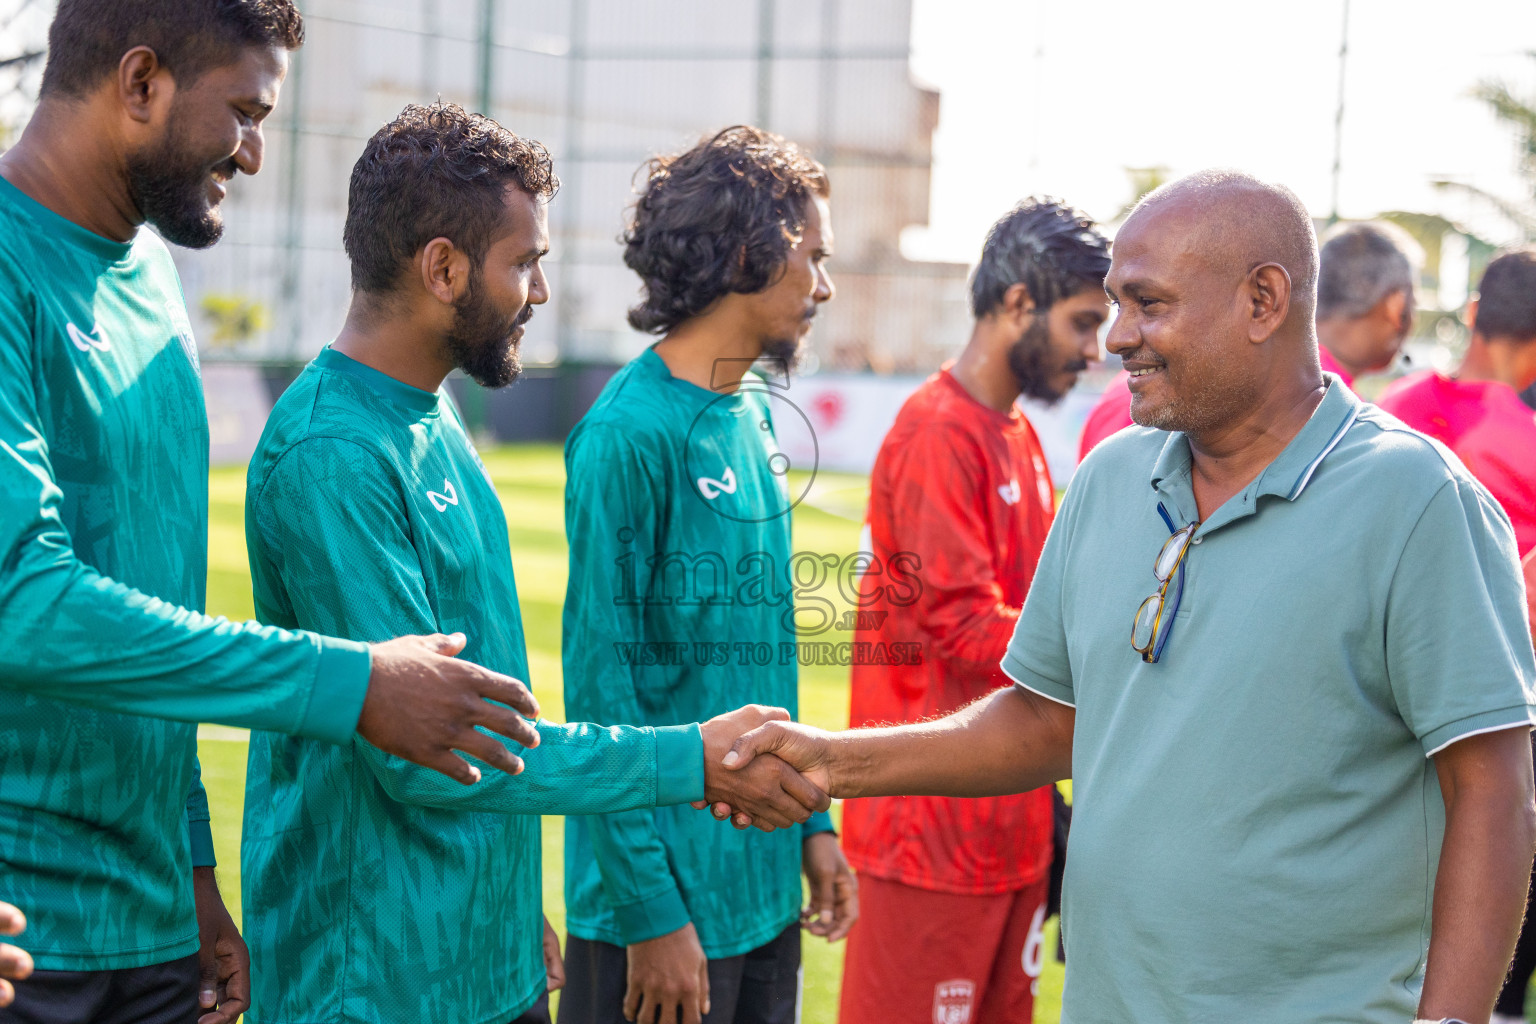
<point>1338,119</point>
<point>570,180</point>
<point>826,126</point>
<point>293,241</point>
<point>429,49</point>
<point>764,64</point>
<point>487,49</point>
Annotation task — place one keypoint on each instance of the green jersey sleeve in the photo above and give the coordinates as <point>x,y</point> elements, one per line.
<point>69,633</point>
<point>607,489</point>
<point>199,831</point>
<point>348,565</point>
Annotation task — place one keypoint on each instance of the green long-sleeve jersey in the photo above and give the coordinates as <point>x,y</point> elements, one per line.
<point>103,565</point>
<point>679,607</point>
<point>375,890</point>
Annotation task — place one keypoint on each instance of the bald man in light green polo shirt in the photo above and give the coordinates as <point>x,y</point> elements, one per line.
<point>1302,777</point>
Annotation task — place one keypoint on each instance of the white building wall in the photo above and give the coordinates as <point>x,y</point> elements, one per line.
<point>605,84</point>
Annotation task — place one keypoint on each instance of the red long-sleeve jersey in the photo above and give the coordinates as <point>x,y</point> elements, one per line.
<point>960,502</point>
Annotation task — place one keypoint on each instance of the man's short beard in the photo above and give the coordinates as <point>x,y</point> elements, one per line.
<point>1034,363</point>
<point>1223,393</point>
<point>784,352</point>
<point>479,342</point>
<point>169,187</point>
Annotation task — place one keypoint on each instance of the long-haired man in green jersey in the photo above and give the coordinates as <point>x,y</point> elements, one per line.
<point>677,514</point>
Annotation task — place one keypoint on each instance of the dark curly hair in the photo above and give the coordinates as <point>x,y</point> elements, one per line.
<point>435,172</point>
<point>1506,297</point>
<point>720,218</point>
<point>1045,245</point>
<point>88,38</point>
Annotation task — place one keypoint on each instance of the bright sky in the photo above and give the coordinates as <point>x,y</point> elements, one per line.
<point>1041,96</point>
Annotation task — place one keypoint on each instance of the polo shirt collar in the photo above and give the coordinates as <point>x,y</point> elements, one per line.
<point>1286,477</point>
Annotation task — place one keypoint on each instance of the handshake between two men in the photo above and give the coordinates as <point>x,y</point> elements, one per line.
<point>760,768</point>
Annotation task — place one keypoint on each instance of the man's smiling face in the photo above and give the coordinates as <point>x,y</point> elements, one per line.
<point>211,132</point>
<point>1179,323</point>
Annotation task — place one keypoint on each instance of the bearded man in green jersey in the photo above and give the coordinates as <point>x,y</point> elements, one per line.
<point>678,521</point>
<point>373,891</point>
<point>148,108</point>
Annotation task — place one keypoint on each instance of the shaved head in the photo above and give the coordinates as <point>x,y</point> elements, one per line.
<point>1242,222</point>
<point>1215,280</point>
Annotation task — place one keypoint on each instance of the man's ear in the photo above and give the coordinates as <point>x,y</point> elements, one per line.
<point>1391,309</point>
<point>444,270</point>
<point>144,86</point>
<point>1018,305</point>
<point>1269,300</point>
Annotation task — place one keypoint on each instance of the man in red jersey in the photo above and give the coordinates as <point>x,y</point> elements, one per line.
<point>953,890</point>
<point>1477,412</point>
<point>1364,312</point>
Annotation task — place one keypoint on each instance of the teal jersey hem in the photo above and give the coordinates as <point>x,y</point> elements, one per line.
<point>341,685</point>
<point>745,943</point>
<point>129,959</point>
<point>679,764</point>
<point>200,835</point>
<point>819,823</point>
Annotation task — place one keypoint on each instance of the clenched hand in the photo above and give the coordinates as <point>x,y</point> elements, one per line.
<point>771,792</point>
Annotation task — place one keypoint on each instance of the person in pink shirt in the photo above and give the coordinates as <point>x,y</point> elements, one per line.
<point>1479,414</point>
<point>1364,312</point>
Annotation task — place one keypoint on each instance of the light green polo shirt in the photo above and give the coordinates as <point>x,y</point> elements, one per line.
<point>1257,820</point>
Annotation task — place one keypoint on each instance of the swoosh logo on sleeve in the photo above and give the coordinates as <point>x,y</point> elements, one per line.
<point>712,488</point>
<point>448,496</point>
<point>97,339</point>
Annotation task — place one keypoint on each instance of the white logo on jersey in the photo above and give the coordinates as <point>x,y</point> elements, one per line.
<point>85,342</point>
<point>712,488</point>
<point>1010,492</point>
<point>953,1001</point>
<point>448,496</point>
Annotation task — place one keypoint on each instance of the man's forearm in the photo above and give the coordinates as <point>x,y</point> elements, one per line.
<point>1483,877</point>
<point>1009,741</point>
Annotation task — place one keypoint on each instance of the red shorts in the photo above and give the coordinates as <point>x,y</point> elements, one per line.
<point>920,957</point>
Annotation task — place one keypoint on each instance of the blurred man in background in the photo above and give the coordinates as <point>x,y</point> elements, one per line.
<point>675,485</point>
<point>952,891</point>
<point>1477,411</point>
<point>1479,414</point>
<point>1365,305</point>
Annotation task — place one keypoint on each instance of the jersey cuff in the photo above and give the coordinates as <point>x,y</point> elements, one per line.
<point>336,699</point>
<point>1034,682</point>
<point>649,919</point>
<point>201,835</point>
<point>1472,725</point>
<point>818,823</point>
<point>679,766</point>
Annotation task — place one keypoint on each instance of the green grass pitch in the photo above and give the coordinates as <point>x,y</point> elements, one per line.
<point>531,482</point>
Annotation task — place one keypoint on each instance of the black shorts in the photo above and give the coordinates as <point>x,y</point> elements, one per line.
<point>758,987</point>
<point>157,994</point>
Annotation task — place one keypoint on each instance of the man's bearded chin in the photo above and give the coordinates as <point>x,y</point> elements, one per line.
<point>1034,365</point>
<point>480,341</point>
<point>169,186</point>
<point>785,353</point>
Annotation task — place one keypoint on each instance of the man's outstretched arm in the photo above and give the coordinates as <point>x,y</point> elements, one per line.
<point>1009,741</point>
